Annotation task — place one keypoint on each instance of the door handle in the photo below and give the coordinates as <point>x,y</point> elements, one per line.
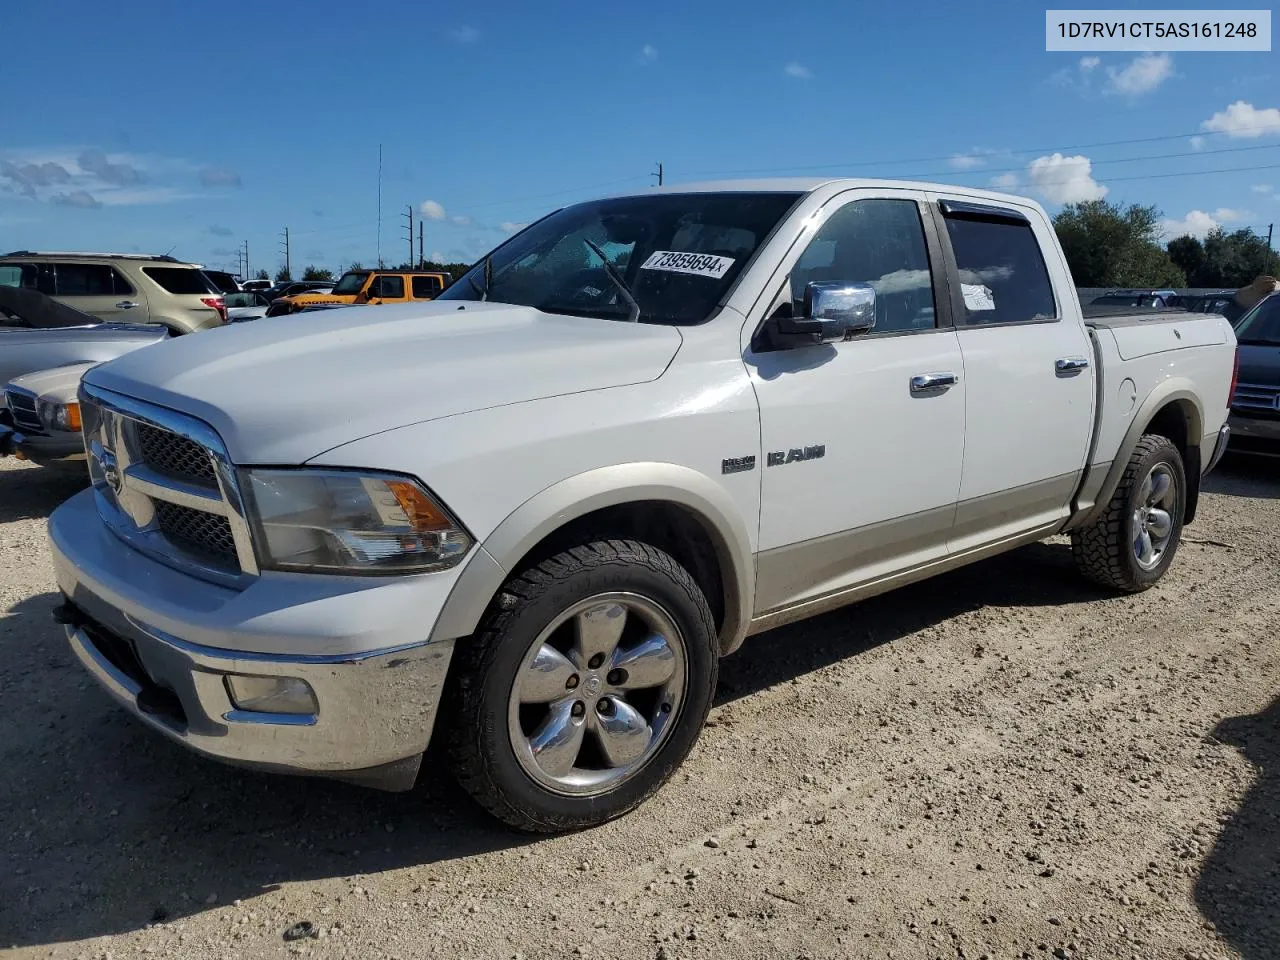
<point>125,305</point>
<point>925,382</point>
<point>1070,365</point>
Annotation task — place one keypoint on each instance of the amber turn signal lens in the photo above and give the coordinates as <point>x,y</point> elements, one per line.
<point>422,513</point>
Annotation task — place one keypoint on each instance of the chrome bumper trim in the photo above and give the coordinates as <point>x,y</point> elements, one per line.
<point>1224,437</point>
<point>376,709</point>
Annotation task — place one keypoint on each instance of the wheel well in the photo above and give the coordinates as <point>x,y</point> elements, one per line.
<point>670,527</point>
<point>1173,421</point>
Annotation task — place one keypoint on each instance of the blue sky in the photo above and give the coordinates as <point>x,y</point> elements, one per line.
<point>174,126</point>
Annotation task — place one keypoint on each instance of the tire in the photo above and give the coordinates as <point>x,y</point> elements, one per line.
<point>515,686</point>
<point>1111,551</point>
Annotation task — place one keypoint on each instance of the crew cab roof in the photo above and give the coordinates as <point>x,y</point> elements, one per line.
<point>810,184</point>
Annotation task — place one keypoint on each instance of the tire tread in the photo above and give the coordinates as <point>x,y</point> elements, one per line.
<point>474,657</point>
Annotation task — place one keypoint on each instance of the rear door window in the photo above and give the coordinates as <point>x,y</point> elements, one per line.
<point>181,280</point>
<point>1003,277</point>
<point>424,288</point>
<point>389,288</point>
<point>90,280</point>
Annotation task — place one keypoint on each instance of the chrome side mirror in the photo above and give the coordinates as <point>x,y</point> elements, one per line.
<point>845,310</point>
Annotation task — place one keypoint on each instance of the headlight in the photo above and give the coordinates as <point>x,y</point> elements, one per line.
<point>347,522</point>
<point>59,416</point>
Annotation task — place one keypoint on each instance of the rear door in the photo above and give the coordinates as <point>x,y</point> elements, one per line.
<point>862,439</point>
<point>1028,362</point>
<point>99,290</point>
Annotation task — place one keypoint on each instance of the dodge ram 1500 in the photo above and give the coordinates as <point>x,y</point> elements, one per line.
<point>637,432</point>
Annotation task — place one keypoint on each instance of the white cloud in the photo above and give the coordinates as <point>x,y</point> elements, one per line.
<point>966,161</point>
<point>460,220</point>
<point>508,226</point>
<point>1006,181</point>
<point>436,257</point>
<point>648,54</point>
<point>1144,74</point>
<point>798,70</point>
<point>464,34</point>
<point>1088,64</point>
<point>1263,188</point>
<point>1197,223</point>
<point>1198,143</point>
<point>1064,179</point>
<point>1242,119</point>
<point>431,210</point>
<point>76,198</point>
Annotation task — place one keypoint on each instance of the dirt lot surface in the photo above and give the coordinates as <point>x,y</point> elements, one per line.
<point>1002,762</point>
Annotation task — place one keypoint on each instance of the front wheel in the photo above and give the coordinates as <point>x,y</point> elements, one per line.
<point>1132,544</point>
<point>585,687</point>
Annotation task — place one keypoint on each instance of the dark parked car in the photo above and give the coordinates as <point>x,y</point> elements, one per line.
<point>1131,299</point>
<point>1255,405</point>
<point>224,281</point>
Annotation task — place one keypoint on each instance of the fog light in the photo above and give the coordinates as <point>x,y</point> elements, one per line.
<point>271,694</point>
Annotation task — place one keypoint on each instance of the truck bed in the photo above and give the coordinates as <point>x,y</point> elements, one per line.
<point>1111,317</point>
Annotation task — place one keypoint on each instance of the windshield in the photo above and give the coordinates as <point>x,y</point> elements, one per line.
<point>249,299</point>
<point>351,281</point>
<point>678,254</point>
<point>1262,325</point>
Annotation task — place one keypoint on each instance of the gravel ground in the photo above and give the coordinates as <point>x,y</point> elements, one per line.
<point>1002,762</point>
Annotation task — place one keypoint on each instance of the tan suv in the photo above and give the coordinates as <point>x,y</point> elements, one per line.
<point>121,287</point>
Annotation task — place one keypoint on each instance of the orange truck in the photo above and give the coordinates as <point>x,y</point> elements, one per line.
<point>368,287</point>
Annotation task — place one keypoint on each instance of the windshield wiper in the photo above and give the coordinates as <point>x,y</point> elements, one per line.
<point>488,279</point>
<point>618,282</point>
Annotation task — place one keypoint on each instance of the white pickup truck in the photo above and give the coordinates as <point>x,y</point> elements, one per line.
<point>535,512</point>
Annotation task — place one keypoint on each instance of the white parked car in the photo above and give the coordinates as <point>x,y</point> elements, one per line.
<point>639,431</point>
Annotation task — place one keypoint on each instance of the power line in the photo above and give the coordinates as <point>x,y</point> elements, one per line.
<point>1024,150</point>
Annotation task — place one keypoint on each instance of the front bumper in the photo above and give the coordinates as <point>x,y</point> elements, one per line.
<point>162,642</point>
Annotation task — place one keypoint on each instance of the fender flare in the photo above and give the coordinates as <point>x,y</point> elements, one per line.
<point>577,496</point>
<point>1177,390</point>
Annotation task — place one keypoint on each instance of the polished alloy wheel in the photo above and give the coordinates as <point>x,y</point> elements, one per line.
<point>1153,516</point>
<point>597,694</point>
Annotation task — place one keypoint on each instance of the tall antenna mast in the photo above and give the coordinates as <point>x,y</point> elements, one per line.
<point>379,206</point>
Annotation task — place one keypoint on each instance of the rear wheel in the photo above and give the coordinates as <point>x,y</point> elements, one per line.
<point>1132,544</point>
<point>585,687</point>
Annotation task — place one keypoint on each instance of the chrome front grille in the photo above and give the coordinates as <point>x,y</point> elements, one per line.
<point>206,535</point>
<point>22,405</point>
<point>175,456</point>
<point>1257,396</point>
<point>164,484</point>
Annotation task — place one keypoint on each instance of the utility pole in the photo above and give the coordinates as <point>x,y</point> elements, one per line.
<point>410,216</point>
<point>285,243</point>
<point>1270,226</point>
<point>244,255</point>
<point>658,174</point>
<point>422,263</point>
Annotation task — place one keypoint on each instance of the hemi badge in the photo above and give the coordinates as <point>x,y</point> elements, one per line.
<point>737,465</point>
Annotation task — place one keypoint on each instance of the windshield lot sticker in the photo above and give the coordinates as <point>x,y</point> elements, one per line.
<point>695,264</point>
<point>977,296</point>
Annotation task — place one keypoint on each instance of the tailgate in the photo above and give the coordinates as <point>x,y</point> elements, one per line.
<point>1144,339</point>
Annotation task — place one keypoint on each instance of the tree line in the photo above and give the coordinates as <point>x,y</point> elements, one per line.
<point>1109,245</point>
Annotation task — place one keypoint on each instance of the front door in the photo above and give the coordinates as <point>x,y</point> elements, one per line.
<point>862,439</point>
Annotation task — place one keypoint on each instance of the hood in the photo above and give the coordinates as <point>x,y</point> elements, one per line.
<point>282,390</point>
<point>1260,364</point>
<point>60,383</point>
